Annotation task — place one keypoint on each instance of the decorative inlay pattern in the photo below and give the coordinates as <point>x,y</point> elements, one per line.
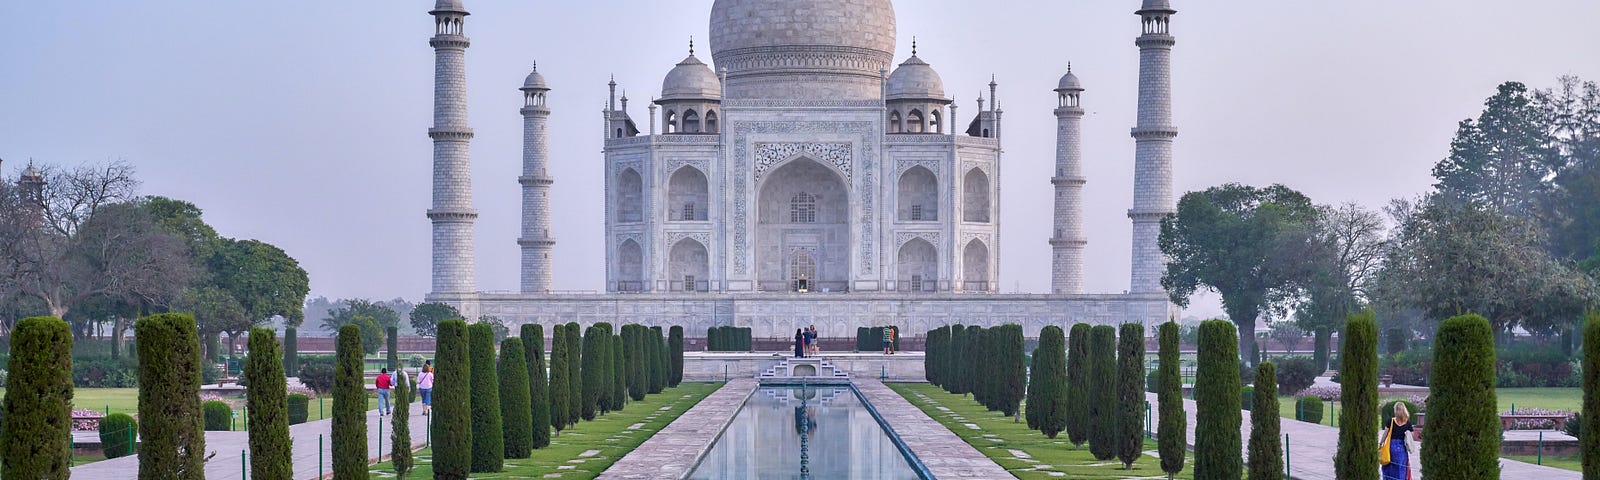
<point>968,237</point>
<point>809,103</point>
<point>673,164</point>
<point>741,178</point>
<point>624,237</point>
<point>834,154</point>
<point>900,238</point>
<point>703,237</point>
<point>931,164</point>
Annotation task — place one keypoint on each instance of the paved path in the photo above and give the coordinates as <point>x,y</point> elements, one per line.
<point>1312,448</point>
<point>672,452</point>
<point>945,454</point>
<point>226,448</point>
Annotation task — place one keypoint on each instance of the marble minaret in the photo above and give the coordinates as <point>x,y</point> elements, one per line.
<point>452,213</point>
<point>1153,136</point>
<point>1068,240</point>
<point>536,240</point>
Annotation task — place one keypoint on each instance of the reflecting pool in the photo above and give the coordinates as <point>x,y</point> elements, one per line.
<point>815,432</point>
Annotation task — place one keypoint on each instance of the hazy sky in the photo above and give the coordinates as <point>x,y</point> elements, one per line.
<point>303,123</point>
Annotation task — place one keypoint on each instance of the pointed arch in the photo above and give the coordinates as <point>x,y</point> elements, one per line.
<point>975,267</point>
<point>975,198</point>
<point>917,196</point>
<point>691,121</point>
<point>895,125</point>
<point>803,207</point>
<point>917,266</point>
<point>914,121</point>
<point>630,267</point>
<point>630,196</point>
<point>670,120</point>
<point>688,267</point>
<point>934,125</point>
<point>688,196</point>
<point>711,121</point>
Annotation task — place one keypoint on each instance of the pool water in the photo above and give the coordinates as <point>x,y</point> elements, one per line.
<point>814,432</point>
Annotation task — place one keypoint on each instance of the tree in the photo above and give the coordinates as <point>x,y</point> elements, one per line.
<point>1217,443</point>
<point>393,348</point>
<point>1229,239</point>
<point>1012,369</point>
<point>1572,115</point>
<point>658,360</point>
<point>425,317</point>
<point>1357,457</point>
<point>538,384</point>
<point>267,409</point>
<point>1078,420</point>
<point>172,444</point>
<point>497,325</point>
<point>1034,386</point>
<point>574,373</point>
<point>1048,388</point>
<point>560,406</point>
<point>349,436</point>
<point>1591,396</point>
<point>635,355</point>
<point>1463,427</point>
<point>619,374</point>
<point>371,332</point>
<point>291,350</point>
<point>933,357</point>
<point>516,411</point>
<point>382,316</point>
<point>215,312</point>
<point>36,441</point>
<point>1266,443</point>
<point>1170,433</point>
<point>1336,264</point>
<point>972,372</point>
<point>675,349</point>
<point>400,440</point>
<point>265,280</point>
<point>1130,397</point>
<point>1501,160</point>
<point>488,444</point>
<point>596,344</point>
<point>1104,417</point>
<point>957,368</point>
<point>452,400</point>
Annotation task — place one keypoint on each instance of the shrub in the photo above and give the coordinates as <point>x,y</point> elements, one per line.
<point>1308,409</point>
<point>488,444</point>
<point>1103,403</point>
<point>117,432</point>
<point>1078,423</point>
<point>559,406</point>
<point>104,372</point>
<point>619,373</point>
<point>1130,360</point>
<point>1012,378</point>
<point>210,373</point>
<point>452,402</point>
<point>39,398</point>
<point>1591,396</point>
<point>1173,420</point>
<point>1357,456</point>
<point>957,383</point>
<point>1386,413</point>
<point>1247,396</point>
<point>1048,387</point>
<point>1574,426</point>
<point>1266,444</point>
<point>172,444</point>
<point>299,408</point>
<point>1524,366</point>
<point>932,356</point>
<point>317,376</point>
<point>416,361</point>
<point>538,384</point>
<point>1152,381</point>
<point>675,350</point>
<point>400,415</point>
<point>1296,374</point>
<point>291,350</point>
<point>1217,422</point>
<point>659,366</point>
<point>392,335</point>
<point>349,436</point>
<point>596,350</point>
<point>266,408</point>
<point>1247,375</point>
<point>633,354</point>
<point>574,373</point>
<point>516,411</point>
<point>218,416</point>
<point>1463,427</point>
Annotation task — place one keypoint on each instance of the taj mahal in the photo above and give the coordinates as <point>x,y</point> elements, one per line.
<point>803,176</point>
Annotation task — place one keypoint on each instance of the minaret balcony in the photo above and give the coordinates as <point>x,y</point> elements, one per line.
<point>450,133</point>
<point>1156,40</point>
<point>449,41</point>
<point>1069,181</point>
<point>444,215</point>
<point>536,181</point>
<point>1155,132</point>
<point>537,242</point>
<point>1078,242</point>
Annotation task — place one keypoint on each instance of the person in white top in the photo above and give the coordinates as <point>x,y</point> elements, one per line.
<point>425,385</point>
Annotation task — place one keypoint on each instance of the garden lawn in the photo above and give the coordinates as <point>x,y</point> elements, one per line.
<point>999,438</point>
<point>1568,399</point>
<point>591,447</point>
<point>1572,462</point>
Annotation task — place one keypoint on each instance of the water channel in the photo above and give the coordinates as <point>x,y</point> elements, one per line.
<point>813,432</point>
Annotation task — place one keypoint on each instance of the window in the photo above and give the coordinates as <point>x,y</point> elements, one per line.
<point>688,283</point>
<point>802,268</point>
<point>688,212</point>
<point>711,122</point>
<point>803,208</point>
<point>916,213</point>
<point>916,283</point>
<point>894,122</point>
<point>914,122</point>
<point>691,122</point>
<point>671,121</point>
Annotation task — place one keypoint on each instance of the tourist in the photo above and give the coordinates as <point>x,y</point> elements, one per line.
<point>811,340</point>
<point>383,384</point>
<point>425,385</point>
<point>888,340</point>
<point>1399,467</point>
<point>799,344</point>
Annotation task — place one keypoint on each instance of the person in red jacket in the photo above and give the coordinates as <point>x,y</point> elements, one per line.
<point>383,384</point>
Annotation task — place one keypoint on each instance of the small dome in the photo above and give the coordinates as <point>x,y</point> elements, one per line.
<point>1154,5</point>
<point>691,79</point>
<point>1070,82</point>
<point>915,79</point>
<point>32,171</point>
<point>449,6</point>
<point>535,81</point>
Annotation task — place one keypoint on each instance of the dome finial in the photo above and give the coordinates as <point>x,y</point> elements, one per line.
<point>1069,67</point>
<point>691,45</point>
<point>913,46</point>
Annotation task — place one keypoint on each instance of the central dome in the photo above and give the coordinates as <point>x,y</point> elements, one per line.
<point>796,49</point>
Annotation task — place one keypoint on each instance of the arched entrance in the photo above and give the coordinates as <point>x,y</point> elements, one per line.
<point>803,228</point>
<point>688,267</point>
<point>975,267</point>
<point>918,267</point>
<point>630,267</point>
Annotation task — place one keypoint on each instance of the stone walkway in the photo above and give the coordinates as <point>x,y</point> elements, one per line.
<point>227,446</point>
<point>945,454</point>
<point>1312,447</point>
<point>672,452</point>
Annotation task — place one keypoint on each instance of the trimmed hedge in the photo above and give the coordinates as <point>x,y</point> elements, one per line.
<point>1247,398</point>
<point>117,432</point>
<point>574,373</point>
<point>38,401</point>
<point>596,346</point>
<point>516,411</point>
<point>1012,375</point>
<point>1589,419</point>
<point>488,443</point>
<point>400,426</point>
<point>291,350</point>
<point>349,438</point>
<point>1358,395</point>
<point>172,443</point>
<point>1173,420</point>
<point>1104,416</point>
<point>634,355</point>
<point>726,339</point>
<point>870,339</point>
<point>675,351</point>
<point>218,416</point>
<point>955,365</point>
<point>1463,427</point>
<point>1047,390</point>
<point>299,408</point>
<point>934,356</point>
<point>538,384</point>
<point>1217,422</point>
<point>392,335</point>
<point>1308,409</point>
<point>1078,420</point>
<point>1130,393</point>
<point>560,408</point>
<point>452,402</point>
<point>658,362</point>
<point>619,373</point>
<point>1266,442</point>
<point>267,409</point>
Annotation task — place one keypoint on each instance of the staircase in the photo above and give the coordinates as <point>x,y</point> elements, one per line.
<point>803,371</point>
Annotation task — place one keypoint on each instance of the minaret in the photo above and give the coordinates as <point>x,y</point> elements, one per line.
<point>1152,175</point>
<point>452,213</point>
<point>1068,241</point>
<point>536,240</point>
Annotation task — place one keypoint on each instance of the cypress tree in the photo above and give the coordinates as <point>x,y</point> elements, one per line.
<point>957,369</point>
<point>574,373</point>
<point>116,435</point>
<point>452,402</point>
<point>560,408</point>
<point>1049,384</point>
<point>172,441</point>
<point>267,408</point>
<point>1590,420</point>
<point>1357,458</point>
<point>1266,440</point>
<point>291,351</point>
<point>608,370</point>
<point>594,379</point>
<point>400,415</point>
<point>633,341</point>
<point>1077,408</point>
<point>1032,399</point>
<point>1217,443</point>
<point>1012,380</point>
<point>1463,427</point>
<point>393,338</point>
<point>675,349</point>
<point>38,401</point>
<point>1169,391</point>
<point>619,374</point>
<point>1104,417</point>
<point>538,385</point>
<point>658,366</point>
<point>488,443</point>
<point>1130,388</point>
<point>515,410</point>
<point>930,360</point>
<point>349,436</point>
